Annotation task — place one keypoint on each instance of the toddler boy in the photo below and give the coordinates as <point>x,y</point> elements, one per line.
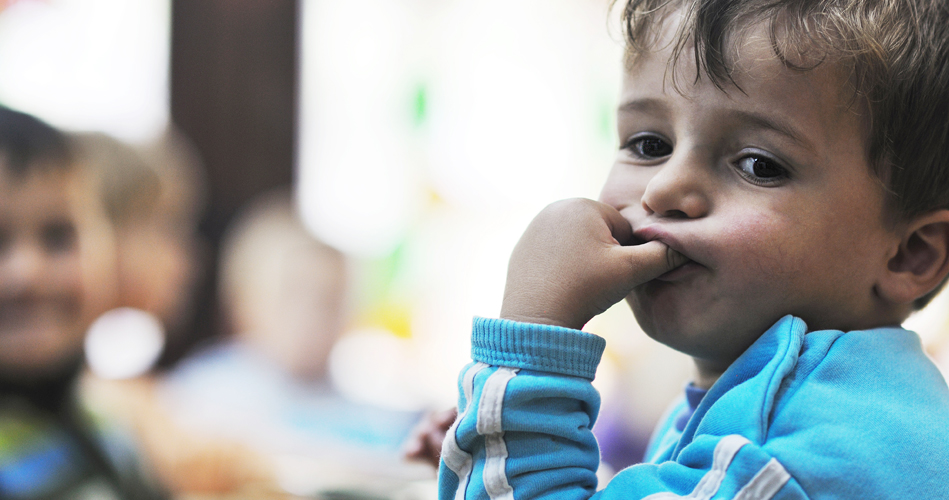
<point>54,278</point>
<point>779,205</point>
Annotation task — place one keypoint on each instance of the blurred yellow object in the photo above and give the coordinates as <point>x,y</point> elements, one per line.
<point>391,317</point>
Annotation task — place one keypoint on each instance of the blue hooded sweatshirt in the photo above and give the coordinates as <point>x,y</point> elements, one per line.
<point>829,414</point>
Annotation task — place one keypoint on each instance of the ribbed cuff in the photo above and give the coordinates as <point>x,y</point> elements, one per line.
<point>531,346</point>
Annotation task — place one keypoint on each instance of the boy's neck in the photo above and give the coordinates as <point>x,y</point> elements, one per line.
<point>704,378</point>
<point>49,392</point>
<point>707,372</point>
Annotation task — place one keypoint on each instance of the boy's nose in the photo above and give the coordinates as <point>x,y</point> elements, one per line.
<point>21,267</point>
<point>677,190</point>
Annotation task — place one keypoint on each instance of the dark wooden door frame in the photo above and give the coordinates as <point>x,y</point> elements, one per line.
<point>234,94</point>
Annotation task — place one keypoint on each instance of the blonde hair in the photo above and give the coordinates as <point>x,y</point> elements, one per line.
<point>129,185</point>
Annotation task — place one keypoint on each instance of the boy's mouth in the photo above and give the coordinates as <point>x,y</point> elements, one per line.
<point>652,233</point>
<point>24,313</point>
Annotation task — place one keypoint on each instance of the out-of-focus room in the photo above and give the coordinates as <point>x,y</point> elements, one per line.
<point>301,204</point>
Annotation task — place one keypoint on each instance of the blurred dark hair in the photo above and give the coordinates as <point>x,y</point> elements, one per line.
<point>28,143</point>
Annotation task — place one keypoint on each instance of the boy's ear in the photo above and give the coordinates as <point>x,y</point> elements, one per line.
<point>921,261</point>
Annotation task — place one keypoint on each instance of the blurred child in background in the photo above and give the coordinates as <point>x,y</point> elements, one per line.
<point>283,291</point>
<point>153,196</point>
<point>152,205</point>
<point>284,294</point>
<point>56,251</point>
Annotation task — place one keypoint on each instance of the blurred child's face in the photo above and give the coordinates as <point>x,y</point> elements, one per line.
<point>157,259</point>
<point>767,189</point>
<point>296,310</point>
<point>42,318</point>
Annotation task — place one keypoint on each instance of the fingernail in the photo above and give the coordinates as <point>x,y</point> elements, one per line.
<point>676,259</point>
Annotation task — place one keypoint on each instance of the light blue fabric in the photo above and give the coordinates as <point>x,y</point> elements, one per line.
<point>862,414</point>
<point>234,389</point>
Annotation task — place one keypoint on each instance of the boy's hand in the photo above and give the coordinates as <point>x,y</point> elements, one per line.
<point>425,441</point>
<point>571,264</point>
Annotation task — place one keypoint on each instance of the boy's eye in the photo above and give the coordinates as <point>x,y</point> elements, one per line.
<point>761,170</point>
<point>59,237</point>
<point>649,147</point>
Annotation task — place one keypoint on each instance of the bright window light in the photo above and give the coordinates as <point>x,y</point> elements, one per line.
<point>88,64</point>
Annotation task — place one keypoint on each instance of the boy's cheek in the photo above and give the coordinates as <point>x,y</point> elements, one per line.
<point>155,272</point>
<point>67,282</point>
<point>93,263</point>
<point>757,248</point>
<point>624,187</point>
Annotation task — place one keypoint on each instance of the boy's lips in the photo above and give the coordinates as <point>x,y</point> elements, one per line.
<point>21,313</point>
<point>654,233</point>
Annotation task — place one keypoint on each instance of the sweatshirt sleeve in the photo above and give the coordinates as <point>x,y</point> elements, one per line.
<point>526,409</point>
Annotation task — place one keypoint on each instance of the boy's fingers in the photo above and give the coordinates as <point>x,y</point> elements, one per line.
<point>414,447</point>
<point>650,260</point>
<point>619,227</point>
<point>445,418</point>
<point>425,441</point>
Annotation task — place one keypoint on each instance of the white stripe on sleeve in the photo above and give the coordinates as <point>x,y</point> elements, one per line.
<point>489,426</point>
<point>454,457</point>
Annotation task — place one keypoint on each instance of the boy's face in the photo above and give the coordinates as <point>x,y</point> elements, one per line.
<point>766,189</point>
<point>42,316</point>
<point>293,306</point>
<point>157,259</point>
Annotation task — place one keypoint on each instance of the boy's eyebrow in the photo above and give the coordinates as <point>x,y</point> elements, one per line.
<point>648,105</point>
<point>758,120</point>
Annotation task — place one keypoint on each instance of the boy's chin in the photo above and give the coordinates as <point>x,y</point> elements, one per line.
<point>36,373</point>
<point>714,340</point>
